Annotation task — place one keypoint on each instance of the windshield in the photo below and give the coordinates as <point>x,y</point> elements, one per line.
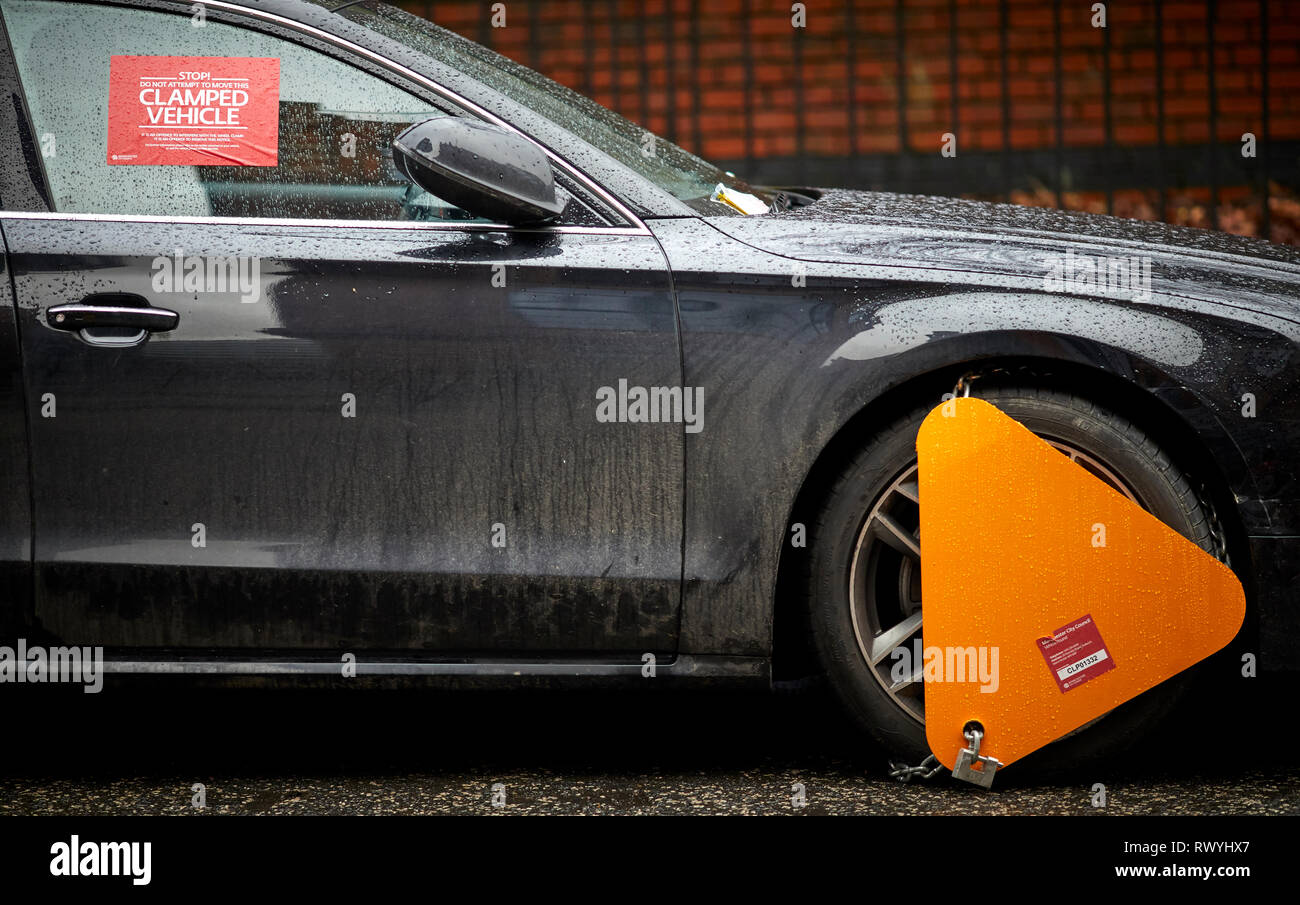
<point>676,171</point>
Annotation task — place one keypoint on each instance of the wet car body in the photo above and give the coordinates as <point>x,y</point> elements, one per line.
<point>374,535</point>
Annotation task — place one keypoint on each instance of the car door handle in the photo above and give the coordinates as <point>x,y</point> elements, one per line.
<point>112,312</point>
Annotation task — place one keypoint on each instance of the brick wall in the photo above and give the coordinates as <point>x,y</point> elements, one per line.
<point>1045,107</point>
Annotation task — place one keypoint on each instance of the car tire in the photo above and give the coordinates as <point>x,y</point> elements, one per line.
<point>1110,445</point>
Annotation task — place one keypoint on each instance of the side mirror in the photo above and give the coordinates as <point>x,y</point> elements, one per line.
<point>482,168</point>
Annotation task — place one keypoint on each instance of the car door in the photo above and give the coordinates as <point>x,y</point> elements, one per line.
<point>280,401</point>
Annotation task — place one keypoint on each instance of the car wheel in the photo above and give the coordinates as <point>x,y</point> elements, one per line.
<point>864,581</point>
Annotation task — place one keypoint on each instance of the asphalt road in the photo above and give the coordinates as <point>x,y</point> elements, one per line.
<point>256,751</point>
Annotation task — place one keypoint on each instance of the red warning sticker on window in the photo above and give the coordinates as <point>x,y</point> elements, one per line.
<point>1075,653</point>
<point>186,111</point>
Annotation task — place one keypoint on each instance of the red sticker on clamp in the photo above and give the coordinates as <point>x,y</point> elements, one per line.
<point>1075,653</point>
<point>194,111</point>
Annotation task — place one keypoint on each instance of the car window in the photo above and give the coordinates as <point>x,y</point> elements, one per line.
<point>673,169</point>
<point>142,112</point>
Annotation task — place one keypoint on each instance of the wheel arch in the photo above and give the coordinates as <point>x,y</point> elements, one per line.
<point>1177,418</point>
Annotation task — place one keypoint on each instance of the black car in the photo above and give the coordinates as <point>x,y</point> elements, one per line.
<point>335,343</point>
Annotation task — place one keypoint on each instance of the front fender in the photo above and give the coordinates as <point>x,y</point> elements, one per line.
<point>793,354</point>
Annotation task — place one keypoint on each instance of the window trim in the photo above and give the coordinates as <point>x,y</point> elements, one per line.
<point>463,226</point>
<point>637,226</point>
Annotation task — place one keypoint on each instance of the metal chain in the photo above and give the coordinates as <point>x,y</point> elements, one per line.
<point>965,380</point>
<point>1218,537</point>
<point>903,773</point>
